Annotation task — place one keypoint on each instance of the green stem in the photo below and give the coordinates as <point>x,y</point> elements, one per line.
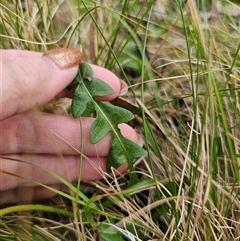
<point>34,207</point>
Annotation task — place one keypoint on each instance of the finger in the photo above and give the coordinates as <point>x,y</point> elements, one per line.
<point>30,169</point>
<point>26,194</point>
<point>98,72</point>
<point>36,132</point>
<point>30,81</point>
<point>15,53</point>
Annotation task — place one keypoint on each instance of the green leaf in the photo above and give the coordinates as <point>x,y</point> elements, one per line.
<point>80,101</point>
<point>122,150</point>
<point>81,98</point>
<point>108,117</point>
<point>85,71</point>
<point>111,235</point>
<point>108,234</point>
<point>76,81</point>
<point>98,87</point>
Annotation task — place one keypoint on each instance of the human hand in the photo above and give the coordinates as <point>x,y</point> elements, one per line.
<point>34,145</point>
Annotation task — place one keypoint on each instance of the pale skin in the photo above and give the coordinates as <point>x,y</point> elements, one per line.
<point>33,143</point>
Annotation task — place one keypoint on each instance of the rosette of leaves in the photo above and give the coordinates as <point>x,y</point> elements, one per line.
<point>108,117</point>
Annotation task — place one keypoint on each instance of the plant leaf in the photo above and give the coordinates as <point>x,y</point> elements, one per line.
<point>107,233</point>
<point>107,120</point>
<point>81,97</point>
<point>80,100</point>
<point>85,71</point>
<point>76,80</point>
<point>123,150</point>
<point>97,87</point>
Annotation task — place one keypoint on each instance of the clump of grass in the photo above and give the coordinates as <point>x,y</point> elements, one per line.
<point>182,66</point>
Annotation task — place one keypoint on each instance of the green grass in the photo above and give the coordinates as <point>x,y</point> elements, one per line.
<point>183,72</point>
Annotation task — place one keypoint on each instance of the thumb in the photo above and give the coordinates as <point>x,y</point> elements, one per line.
<point>30,80</point>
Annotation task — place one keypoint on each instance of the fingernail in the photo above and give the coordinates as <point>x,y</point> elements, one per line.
<point>63,58</point>
<point>124,88</point>
<point>140,140</point>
